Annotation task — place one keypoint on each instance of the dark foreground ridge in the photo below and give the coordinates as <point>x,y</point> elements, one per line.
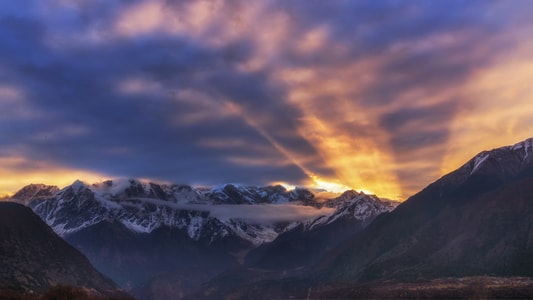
<point>34,261</point>
<point>477,287</point>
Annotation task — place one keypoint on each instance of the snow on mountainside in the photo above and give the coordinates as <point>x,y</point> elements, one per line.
<point>35,191</point>
<point>473,221</point>
<point>206,214</point>
<point>504,162</point>
<point>352,204</point>
<point>518,155</point>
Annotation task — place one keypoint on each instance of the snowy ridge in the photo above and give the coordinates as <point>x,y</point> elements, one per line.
<point>526,145</point>
<point>496,165</point>
<point>521,150</point>
<point>36,191</point>
<point>478,160</point>
<point>254,214</point>
<point>353,205</point>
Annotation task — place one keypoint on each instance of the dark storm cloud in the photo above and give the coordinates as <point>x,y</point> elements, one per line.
<point>414,128</point>
<point>433,46</point>
<point>134,135</point>
<point>177,105</point>
<point>432,56</point>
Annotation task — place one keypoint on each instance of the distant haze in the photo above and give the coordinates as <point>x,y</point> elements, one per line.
<point>254,214</point>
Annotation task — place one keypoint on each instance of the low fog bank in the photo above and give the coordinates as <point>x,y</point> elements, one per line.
<point>257,213</point>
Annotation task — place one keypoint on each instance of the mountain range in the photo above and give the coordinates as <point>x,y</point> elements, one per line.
<point>468,234</point>
<point>159,240</point>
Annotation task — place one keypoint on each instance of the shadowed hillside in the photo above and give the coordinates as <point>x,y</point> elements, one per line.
<point>33,259</point>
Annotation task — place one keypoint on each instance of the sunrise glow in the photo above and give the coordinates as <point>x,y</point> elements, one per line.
<point>17,172</point>
<point>330,186</point>
<point>382,98</point>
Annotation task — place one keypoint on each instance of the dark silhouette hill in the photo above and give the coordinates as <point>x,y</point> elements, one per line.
<point>33,259</point>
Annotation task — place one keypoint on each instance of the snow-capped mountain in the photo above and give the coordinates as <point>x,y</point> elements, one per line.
<point>303,243</point>
<point>242,194</point>
<point>496,165</point>
<point>350,205</point>
<point>35,191</point>
<point>207,214</point>
<point>353,205</point>
<point>195,232</point>
<point>473,221</point>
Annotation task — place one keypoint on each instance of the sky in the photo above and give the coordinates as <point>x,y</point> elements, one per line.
<point>378,96</point>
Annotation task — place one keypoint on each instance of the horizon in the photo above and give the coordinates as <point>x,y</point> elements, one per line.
<point>286,186</point>
<point>289,187</point>
<point>377,96</point>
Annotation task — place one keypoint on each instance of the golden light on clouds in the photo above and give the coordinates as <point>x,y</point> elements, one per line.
<point>329,186</point>
<point>345,134</point>
<point>313,41</point>
<point>358,162</point>
<point>498,108</point>
<point>336,95</point>
<point>16,172</point>
<point>252,122</point>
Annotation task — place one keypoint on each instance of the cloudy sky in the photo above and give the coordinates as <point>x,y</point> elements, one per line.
<point>380,96</point>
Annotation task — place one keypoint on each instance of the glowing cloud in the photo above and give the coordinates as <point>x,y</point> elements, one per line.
<point>16,172</point>
<point>371,95</point>
<point>341,129</point>
<point>498,108</point>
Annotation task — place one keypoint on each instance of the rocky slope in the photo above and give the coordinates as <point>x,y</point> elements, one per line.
<point>305,242</point>
<point>197,233</point>
<point>33,259</point>
<point>143,207</point>
<point>475,221</point>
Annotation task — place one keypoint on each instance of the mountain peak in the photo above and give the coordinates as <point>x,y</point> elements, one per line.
<point>505,161</point>
<point>527,144</point>
<point>349,194</point>
<point>78,184</point>
<point>146,206</point>
<point>34,191</point>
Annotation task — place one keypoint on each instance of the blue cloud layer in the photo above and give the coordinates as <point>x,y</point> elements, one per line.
<point>178,106</point>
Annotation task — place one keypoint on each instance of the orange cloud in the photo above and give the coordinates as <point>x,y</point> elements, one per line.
<point>498,109</point>
<point>143,18</point>
<point>344,132</point>
<point>16,172</point>
<point>331,83</point>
